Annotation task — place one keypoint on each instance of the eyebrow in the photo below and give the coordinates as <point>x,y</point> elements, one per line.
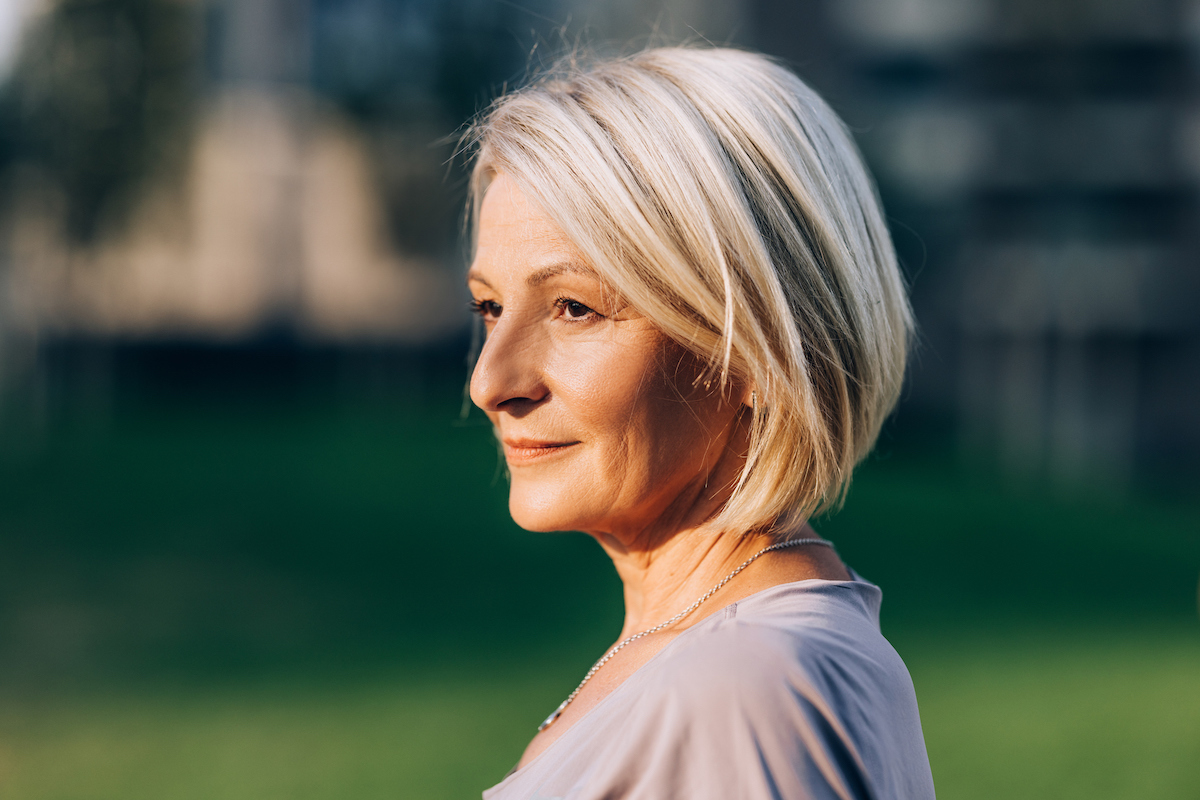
<point>546,273</point>
<point>542,275</point>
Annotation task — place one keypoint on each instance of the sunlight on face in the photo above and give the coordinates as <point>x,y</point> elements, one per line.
<point>604,423</point>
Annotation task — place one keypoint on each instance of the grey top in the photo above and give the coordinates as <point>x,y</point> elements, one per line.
<point>789,693</point>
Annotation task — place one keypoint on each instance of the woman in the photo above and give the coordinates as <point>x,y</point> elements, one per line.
<point>695,327</point>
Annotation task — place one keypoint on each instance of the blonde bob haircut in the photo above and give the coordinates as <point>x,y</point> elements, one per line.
<point>724,200</point>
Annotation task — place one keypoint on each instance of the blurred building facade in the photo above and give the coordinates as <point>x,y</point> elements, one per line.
<point>312,195</point>
<point>271,220</point>
<point>1040,161</point>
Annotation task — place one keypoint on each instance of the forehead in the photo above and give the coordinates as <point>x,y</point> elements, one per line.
<point>511,224</point>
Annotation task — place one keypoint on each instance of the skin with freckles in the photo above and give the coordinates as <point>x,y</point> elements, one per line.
<point>609,427</point>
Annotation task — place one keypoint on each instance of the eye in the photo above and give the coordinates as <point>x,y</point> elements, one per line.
<point>488,310</point>
<point>574,310</point>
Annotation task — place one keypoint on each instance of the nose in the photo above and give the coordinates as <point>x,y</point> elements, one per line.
<point>510,373</point>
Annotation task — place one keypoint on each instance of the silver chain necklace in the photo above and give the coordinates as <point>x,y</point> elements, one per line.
<point>605,658</point>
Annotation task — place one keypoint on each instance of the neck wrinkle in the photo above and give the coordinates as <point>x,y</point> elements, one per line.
<point>662,581</point>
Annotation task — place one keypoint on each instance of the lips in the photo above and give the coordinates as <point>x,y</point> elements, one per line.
<point>518,451</point>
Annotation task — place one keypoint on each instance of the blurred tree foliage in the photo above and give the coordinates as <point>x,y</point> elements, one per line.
<point>101,96</point>
<point>388,59</point>
<point>105,93</point>
<point>411,73</point>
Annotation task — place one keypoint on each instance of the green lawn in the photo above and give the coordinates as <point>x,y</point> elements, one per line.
<point>325,600</point>
<point>1110,715</point>
<point>1101,715</point>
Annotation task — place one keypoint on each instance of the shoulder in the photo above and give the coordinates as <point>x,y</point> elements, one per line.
<point>821,638</point>
<point>801,683</point>
<point>724,712</point>
<point>788,694</point>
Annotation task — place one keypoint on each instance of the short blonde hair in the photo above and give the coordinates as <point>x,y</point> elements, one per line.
<point>723,199</point>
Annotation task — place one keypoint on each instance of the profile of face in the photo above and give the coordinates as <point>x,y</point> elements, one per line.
<point>607,425</point>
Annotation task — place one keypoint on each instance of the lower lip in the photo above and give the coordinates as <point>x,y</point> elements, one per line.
<point>527,455</point>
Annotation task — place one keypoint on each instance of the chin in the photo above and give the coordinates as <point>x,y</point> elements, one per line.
<point>542,512</point>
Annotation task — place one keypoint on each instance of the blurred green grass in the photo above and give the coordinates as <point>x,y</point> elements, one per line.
<point>1094,716</point>
<point>1112,712</point>
<point>238,597</point>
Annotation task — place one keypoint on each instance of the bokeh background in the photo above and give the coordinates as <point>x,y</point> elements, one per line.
<point>252,545</point>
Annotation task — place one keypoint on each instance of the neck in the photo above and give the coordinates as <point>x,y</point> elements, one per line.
<point>667,564</point>
<point>661,580</point>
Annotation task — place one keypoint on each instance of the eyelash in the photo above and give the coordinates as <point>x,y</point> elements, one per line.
<point>482,308</point>
<point>490,309</point>
<point>563,302</point>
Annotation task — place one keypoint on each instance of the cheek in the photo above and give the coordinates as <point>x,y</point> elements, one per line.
<point>687,428</point>
<point>600,383</point>
<point>689,415</point>
<point>643,400</point>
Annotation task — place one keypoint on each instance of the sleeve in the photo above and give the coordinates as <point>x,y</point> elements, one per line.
<point>736,719</point>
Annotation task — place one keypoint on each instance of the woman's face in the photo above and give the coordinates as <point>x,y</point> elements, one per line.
<point>605,423</point>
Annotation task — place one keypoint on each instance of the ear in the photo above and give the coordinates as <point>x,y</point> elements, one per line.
<point>750,396</point>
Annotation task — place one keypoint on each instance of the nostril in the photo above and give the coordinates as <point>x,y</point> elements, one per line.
<point>514,403</point>
<point>518,407</point>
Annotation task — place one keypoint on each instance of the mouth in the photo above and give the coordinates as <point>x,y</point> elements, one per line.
<point>519,451</point>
